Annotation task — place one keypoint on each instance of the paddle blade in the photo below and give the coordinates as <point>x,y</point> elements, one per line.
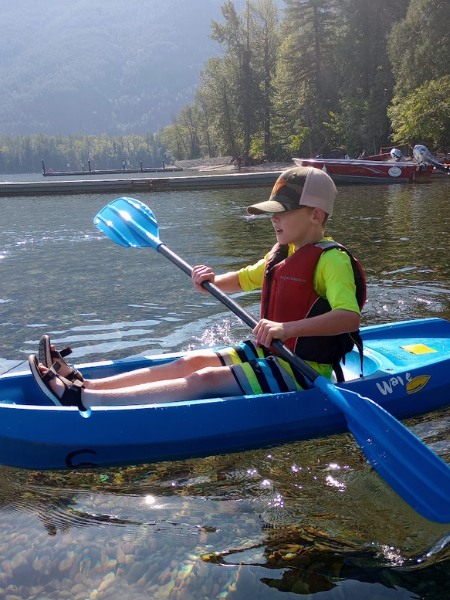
<point>128,222</point>
<point>412,469</point>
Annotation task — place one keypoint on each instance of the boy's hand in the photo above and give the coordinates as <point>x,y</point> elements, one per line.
<point>200,274</point>
<point>266,331</point>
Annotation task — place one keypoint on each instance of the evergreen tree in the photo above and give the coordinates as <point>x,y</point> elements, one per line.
<point>265,44</point>
<point>234,35</point>
<point>423,116</point>
<point>365,69</point>
<point>219,107</point>
<point>418,48</point>
<point>419,45</point>
<point>234,102</point>
<point>306,82</point>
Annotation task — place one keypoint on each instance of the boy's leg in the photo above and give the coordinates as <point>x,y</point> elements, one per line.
<point>210,382</point>
<point>176,369</point>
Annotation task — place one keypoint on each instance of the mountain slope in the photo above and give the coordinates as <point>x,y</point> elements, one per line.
<point>96,67</point>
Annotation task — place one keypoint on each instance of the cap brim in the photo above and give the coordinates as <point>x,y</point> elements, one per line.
<point>269,206</point>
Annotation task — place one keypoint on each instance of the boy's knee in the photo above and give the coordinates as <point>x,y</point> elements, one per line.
<point>204,377</point>
<point>211,382</point>
<point>191,363</point>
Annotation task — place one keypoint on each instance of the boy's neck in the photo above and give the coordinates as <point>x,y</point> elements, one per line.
<point>312,239</point>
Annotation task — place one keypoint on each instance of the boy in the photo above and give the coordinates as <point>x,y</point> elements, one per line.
<point>312,292</point>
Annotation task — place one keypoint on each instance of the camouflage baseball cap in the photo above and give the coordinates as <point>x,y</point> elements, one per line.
<point>297,187</point>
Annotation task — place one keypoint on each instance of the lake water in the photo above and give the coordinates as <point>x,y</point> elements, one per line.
<point>309,518</point>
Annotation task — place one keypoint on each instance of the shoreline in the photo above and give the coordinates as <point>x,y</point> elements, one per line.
<point>224,164</point>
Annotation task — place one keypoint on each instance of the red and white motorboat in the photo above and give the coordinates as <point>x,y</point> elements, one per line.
<point>389,166</point>
<point>367,171</point>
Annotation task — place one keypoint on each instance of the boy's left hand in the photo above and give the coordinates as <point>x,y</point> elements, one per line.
<point>200,274</point>
<point>266,331</point>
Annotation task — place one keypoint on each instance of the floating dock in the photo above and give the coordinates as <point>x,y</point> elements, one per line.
<point>122,171</point>
<point>142,184</point>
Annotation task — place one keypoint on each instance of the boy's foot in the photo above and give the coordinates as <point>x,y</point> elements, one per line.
<point>50,357</point>
<point>67,394</point>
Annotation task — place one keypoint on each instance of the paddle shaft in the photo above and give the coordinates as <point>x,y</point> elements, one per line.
<point>295,361</point>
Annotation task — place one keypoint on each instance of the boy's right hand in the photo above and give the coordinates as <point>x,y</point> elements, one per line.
<point>200,274</point>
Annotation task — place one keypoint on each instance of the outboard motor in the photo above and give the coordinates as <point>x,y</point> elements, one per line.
<point>424,156</point>
<point>396,154</point>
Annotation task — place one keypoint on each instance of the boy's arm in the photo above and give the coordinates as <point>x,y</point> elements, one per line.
<point>246,279</point>
<point>332,323</point>
<point>227,282</point>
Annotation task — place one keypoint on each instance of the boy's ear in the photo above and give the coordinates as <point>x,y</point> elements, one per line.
<point>319,215</point>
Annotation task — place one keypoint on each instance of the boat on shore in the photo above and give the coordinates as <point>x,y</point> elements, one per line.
<point>389,166</point>
<point>406,370</point>
<point>365,171</point>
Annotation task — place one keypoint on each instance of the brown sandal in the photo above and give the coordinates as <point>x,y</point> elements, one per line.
<point>72,391</point>
<point>52,358</point>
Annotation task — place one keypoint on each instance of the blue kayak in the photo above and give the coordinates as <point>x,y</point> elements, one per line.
<point>406,371</point>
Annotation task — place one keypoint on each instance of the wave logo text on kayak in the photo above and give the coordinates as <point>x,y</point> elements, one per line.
<point>412,385</point>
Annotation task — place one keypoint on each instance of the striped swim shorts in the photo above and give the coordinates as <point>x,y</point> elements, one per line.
<point>257,371</point>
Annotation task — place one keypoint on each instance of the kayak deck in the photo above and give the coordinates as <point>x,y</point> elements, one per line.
<point>406,368</point>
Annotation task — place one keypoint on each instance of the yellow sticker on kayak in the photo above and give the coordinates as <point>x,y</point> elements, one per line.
<point>418,349</point>
<point>417,383</point>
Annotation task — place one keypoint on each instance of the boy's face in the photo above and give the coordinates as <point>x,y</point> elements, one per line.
<point>298,227</point>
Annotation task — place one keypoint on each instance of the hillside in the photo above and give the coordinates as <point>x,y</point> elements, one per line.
<point>91,67</point>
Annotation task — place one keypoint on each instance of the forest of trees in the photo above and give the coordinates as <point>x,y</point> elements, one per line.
<point>330,75</point>
<point>319,76</point>
<point>25,154</point>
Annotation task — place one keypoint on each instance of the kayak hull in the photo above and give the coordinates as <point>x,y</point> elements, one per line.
<point>406,367</point>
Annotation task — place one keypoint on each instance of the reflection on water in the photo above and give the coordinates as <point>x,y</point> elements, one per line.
<point>173,527</point>
<point>299,519</point>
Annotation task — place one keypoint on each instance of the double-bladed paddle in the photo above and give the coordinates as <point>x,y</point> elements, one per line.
<point>410,467</point>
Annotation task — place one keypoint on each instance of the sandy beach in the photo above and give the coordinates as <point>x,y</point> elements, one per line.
<point>224,164</point>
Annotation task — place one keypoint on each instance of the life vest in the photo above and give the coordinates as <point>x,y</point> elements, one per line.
<point>288,295</point>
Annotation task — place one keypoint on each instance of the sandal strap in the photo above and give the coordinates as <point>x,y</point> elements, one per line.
<point>72,392</point>
<point>58,357</point>
<point>71,375</point>
<point>62,353</point>
<point>49,376</point>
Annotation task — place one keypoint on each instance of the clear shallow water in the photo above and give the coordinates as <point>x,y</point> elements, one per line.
<point>297,519</point>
